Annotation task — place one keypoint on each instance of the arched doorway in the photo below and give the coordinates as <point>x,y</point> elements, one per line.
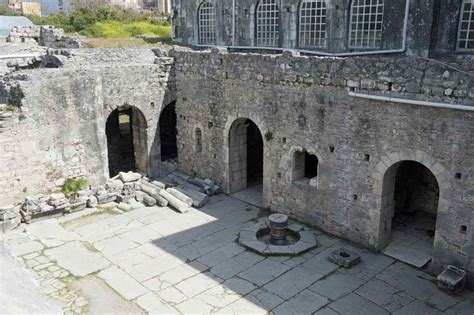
<point>246,158</point>
<point>168,133</point>
<point>126,130</point>
<point>410,204</point>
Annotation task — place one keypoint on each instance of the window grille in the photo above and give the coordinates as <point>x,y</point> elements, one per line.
<point>366,23</point>
<point>207,24</point>
<point>268,23</point>
<point>312,31</point>
<point>466,26</point>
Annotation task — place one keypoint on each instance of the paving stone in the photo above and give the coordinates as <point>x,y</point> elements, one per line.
<point>171,295</point>
<point>355,305</point>
<point>264,271</point>
<point>75,258</point>
<point>51,233</point>
<point>198,284</point>
<point>326,311</point>
<point>414,282</point>
<point>384,295</point>
<point>153,305</point>
<point>233,266</point>
<point>335,286</point>
<point>220,255</point>
<point>257,302</point>
<point>292,282</point>
<point>320,263</point>
<point>226,293</point>
<point>25,248</point>
<point>121,282</point>
<point>114,245</point>
<point>174,276</point>
<point>194,306</point>
<point>462,308</point>
<point>306,302</point>
<point>415,308</point>
<point>370,265</point>
<point>141,235</point>
<point>442,301</point>
<point>154,267</point>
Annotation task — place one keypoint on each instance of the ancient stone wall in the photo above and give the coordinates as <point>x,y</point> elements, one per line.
<point>46,35</point>
<point>302,103</point>
<point>60,130</point>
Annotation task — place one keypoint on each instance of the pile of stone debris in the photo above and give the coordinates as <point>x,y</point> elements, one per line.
<point>126,191</point>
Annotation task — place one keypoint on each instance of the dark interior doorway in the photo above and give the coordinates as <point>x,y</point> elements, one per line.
<point>254,154</point>
<point>414,197</point>
<point>168,133</point>
<point>126,141</point>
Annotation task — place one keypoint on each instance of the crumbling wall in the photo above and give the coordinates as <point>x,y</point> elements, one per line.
<point>45,35</point>
<point>59,130</point>
<point>303,103</point>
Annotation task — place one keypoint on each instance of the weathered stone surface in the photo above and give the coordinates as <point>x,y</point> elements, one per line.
<point>344,257</point>
<point>75,258</point>
<point>452,279</point>
<point>128,287</point>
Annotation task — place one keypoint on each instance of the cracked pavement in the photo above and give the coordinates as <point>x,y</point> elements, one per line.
<point>156,260</point>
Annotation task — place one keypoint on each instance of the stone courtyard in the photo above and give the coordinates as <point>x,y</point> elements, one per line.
<point>155,260</point>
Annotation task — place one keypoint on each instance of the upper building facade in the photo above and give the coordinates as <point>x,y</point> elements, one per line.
<point>422,27</point>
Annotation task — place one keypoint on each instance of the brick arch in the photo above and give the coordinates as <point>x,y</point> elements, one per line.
<point>384,181</point>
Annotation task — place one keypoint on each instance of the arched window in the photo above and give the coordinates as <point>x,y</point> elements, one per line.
<point>312,31</point>
<point>268,32</point>
<point>366,23</point>
<point>466,26</point>
<point>207,24</point>
<point>198,140</point>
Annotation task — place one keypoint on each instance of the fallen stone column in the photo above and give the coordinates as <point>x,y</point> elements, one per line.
<point>158,186</point>
<point>179,181</point>
<point>199,199</point>
<point>186,199</point>
<point>154,193</point>
<point>208,189</point>
<point>174,202</point>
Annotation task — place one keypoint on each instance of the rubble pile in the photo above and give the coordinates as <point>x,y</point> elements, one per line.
<point>126,191</point>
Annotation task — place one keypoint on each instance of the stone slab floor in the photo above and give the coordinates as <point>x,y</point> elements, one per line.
<point>154,260</point>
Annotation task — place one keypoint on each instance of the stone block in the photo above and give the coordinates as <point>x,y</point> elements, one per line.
<point>452,280</point>
<point>344,257</point>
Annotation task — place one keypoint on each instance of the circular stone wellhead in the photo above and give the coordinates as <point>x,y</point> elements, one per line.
<point>278,224</point>
<point>275,236</point>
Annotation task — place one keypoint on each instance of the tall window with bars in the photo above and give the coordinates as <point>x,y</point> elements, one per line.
<point>267,21</point>
<point>207,24</point>
<point>466,26</point>
<point>312,26</point>
<point>366,24</point>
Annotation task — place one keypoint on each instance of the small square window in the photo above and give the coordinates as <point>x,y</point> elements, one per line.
<point>354,197</point>
<point>463,229</point>
<point>367,157</point>
<point>332,149</point>
<point>458,175</point>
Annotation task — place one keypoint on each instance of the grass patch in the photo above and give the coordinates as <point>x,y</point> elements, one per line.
<point>116,29</point>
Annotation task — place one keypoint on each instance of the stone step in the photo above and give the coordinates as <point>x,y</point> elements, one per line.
<point>3,107</point>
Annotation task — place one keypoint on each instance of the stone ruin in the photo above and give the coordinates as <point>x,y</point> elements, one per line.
<point>44,35</point>
<point>126,192</point>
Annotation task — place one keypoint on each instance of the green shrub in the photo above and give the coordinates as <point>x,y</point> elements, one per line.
<point>72,186</point>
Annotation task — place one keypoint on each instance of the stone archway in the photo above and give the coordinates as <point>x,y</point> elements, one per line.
<point>245,155</point>
<point>127,143</point>
<point>393,175</point>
